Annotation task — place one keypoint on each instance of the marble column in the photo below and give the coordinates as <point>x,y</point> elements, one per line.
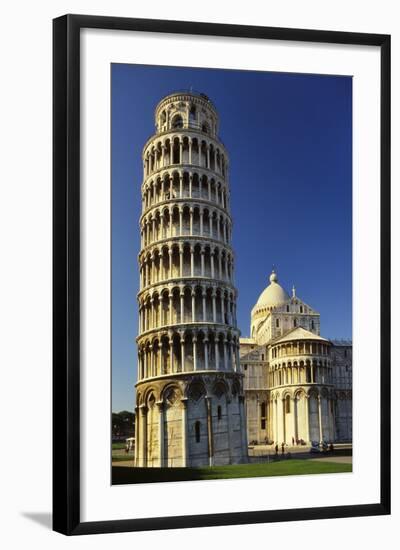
<point>181,261</point>
<point>203,296</point>
<point>307,418</point>
<point>145,364</point>
<point>209,431</point>
<point>143,436</point>
<point>185,452</point>
<point>333,412</point>
<point>170,221</point>
<point>160,355</point>
<point>151,312</point>
<point>170,263</point>
<point>193,306</point>
<point>191,220</point>
<point>137,437</point>
<point>151,360</point>
<point>161,442</point>
<point>180,221</point>
<point>225,354</point>
<point>182,306</point>
<point>320,419</point>
<point>171,356</point>
<point>243,425</point>
<point>216,355</point>
<point>296,418</point>
<point>228,428</point>
<point>170,295</point>
<point>330,423</point>
<point>214,306</point>
<point>194,342</point>
<point>183,353</point>
<point>205,353</point>
<point>201,222</point>
<point>192,261</point>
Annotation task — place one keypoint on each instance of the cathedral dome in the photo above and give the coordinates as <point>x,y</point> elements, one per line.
<point>273,295</point>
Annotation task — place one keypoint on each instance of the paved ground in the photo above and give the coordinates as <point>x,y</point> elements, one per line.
<point>265,450</point>
<point>261,453</point>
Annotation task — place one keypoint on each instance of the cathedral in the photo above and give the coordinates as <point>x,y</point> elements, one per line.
<point>297,384</point>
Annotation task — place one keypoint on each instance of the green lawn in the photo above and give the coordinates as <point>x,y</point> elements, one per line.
<point>122,475</point>
<point>119,445</point>
<point>123,458</point>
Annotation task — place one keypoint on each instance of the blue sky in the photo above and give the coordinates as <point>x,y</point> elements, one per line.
<point>289,138</point>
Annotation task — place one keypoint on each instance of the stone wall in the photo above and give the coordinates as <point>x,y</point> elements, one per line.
<point>199,420</point>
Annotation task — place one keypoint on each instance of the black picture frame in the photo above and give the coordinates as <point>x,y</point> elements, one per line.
<point>66,273</point>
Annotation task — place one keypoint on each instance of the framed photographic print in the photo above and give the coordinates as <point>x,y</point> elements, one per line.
<point>221,274</point>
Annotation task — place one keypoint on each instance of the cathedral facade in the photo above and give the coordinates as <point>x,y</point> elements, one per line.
<point>298,385</point>
<point>189,393</point>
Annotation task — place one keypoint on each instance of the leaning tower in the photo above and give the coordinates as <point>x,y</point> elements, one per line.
<point>189,394</point>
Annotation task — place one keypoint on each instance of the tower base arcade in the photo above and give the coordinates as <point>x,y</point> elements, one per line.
<point>191,420</point>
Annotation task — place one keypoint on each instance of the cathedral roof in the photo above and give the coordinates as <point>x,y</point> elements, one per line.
<point>299,333</point>
<point>274,294</point>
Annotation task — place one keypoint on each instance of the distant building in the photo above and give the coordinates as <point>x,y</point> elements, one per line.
<point>298,385</point>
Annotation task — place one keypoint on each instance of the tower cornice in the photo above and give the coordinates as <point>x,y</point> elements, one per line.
<point>186,239</point>
<point>190,169</point>
<point>190,203</point>
<point>186,95</point>
<point>187,282</point>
